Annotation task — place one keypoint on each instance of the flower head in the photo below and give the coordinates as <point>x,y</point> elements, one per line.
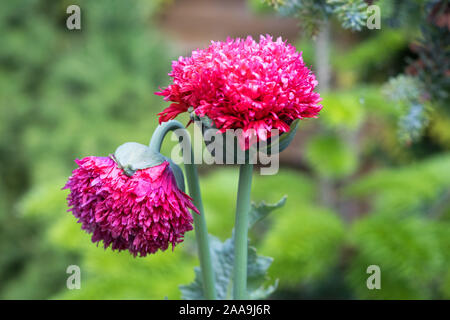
<point>141,213</point>
<point>243,84</point>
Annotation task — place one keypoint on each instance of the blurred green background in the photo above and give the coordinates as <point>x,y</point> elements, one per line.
<point>359,192</point>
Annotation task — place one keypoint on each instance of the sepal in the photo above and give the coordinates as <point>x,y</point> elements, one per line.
<point>133,156</point>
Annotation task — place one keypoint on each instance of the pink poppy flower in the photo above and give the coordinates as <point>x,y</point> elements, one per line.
<point>243,84</point>
<point>142,213</point>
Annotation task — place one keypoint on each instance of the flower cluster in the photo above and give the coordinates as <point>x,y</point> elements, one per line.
<point>243,84</point>
<point>142,213</point>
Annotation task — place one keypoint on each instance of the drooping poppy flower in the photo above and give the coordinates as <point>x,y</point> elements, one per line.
<point>243,84</point>
<point>142,213</point>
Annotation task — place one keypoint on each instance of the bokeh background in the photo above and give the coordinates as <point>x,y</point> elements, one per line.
<point>368,183</point>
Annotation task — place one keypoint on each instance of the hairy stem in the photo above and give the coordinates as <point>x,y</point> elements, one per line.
<point>201,232</point>
<point>241,232</point>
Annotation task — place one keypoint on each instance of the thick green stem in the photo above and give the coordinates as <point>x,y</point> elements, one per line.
<point>241,232</point>
<point>201,232</point>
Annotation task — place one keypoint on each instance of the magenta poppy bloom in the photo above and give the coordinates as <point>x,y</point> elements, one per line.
<point>142,213</point>
<point>243,84</point>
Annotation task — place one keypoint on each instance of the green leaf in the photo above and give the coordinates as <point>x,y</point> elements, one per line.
<point>261,210</point>
<point>257,275</point>
<point>222,255</point>
<point>284,139</point>
<point>133,156</point>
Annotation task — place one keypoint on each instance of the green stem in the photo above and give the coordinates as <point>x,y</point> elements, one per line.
<point>201,232</point>
<point>241,232</point>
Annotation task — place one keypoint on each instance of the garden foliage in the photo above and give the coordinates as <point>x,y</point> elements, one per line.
<point>67,95</point>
